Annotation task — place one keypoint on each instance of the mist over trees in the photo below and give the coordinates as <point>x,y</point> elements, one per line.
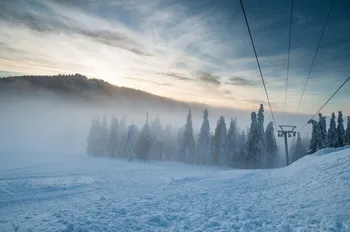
<point>335,136</point>
<point>195,139</point>
<point>226,146</point>
<point>231,147</point>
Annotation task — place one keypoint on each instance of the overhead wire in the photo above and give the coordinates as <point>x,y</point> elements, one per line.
<point>257,60</point>
<point>326,102</point>
<point>290,40</point>
<point>315,55</point>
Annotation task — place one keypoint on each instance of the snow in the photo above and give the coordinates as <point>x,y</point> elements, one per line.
<point>51,192</point>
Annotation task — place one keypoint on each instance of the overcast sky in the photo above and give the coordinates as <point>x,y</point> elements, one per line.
<point>188,50</point>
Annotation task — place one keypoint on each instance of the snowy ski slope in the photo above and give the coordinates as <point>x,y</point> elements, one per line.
<point>78,193</point>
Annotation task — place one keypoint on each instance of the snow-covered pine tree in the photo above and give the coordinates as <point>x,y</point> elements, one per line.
<point>232,142</point>
<point>123,131</point>
<point>332,137</point>
<point>220,142</point>
<point>340,130</point>
<point>93,138</point>
<point>316,137</point>
<point>271,146</point>
<point>104,137</point>
<point>113,138</point>
<point>253,146</point>
<point>131,142</point>
<point>240,159</point>
<point>188,141</point>
<point>169,144</point>
<point>323,128</point>
<point>204,144</point>
<point>180,142</point>
<point>156,127</point>
<point>144,142</point>
<point>261,134</point>
<point>299,150</point>
<point>157,139</point>
<point>347,131</point>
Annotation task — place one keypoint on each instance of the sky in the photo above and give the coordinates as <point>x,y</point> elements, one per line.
<point>196,51</point>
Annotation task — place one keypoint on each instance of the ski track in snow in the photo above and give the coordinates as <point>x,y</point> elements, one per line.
<point>98,194</point>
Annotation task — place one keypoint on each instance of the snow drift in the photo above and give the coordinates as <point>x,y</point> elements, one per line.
<point>79,193</point>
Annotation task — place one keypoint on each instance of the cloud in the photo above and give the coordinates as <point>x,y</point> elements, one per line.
<point>300,18</point>
<point>207,77</point>
<point>227,92</point>
<point>116,39</point>
<point>150,81</point>
<point>56,18</point>
<point>258,102</point>
<point>241,81</point>
<point>178,76</point>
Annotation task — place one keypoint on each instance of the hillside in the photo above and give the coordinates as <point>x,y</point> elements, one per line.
<point>58,192</point>
<point>80,88</point>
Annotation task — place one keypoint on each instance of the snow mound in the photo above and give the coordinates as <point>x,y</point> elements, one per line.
<point>97,194</point>
<point>328,150</point>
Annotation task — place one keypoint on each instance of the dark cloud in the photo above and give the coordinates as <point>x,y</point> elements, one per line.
<point>178,76</point>
<point>258,102</point>
<point>113,39</point>
<point>207,77</point>
<point>71,3</point>
<point>241,81</point>
<point>39,17</point>
<point>181,65</point>
<point>150,81</point>
<point>227,92</point>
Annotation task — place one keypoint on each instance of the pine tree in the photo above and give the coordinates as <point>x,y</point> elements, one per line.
<point>93,138</point>
<point>253,146</point>
<point>340,130</point>
<point>157,139</point>
<point>104,137</point>
<point>347,132</point>
<point>256,139</point>
<point>332,133</point>
<point>232,141</point>
<point>180,144</point>
<point>220,142</point>
<point>113,138</point>
<point>156,128</point>
<point>188,141</point>
<point>316,138</point>
<point>204,144</point>
<point>299,150</point>
<point>261,134</point>
<point>169,144</point>
<point>323,127</point>
<point>131,142</point>
<point>144,142</point>
<point>271,145</point>
<point>122,136</point>
<point>240,160</point>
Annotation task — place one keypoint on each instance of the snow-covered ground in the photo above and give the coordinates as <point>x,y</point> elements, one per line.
<point>49,192</point>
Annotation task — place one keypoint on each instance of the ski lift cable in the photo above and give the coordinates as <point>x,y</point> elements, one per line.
<point>290,40</point>
<point>315,55</point>
<point>326,102</point>
<point>257,60</point>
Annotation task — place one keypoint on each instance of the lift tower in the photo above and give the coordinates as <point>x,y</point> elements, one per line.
<point>284,132</point>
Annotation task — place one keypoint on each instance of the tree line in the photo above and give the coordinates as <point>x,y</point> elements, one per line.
<point>335,136</point>
<point>227,145</point>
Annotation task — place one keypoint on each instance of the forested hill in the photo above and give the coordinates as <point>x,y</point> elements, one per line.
<point>79,87</point>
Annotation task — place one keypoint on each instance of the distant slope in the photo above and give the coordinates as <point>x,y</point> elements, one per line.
<point>79,87</point>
